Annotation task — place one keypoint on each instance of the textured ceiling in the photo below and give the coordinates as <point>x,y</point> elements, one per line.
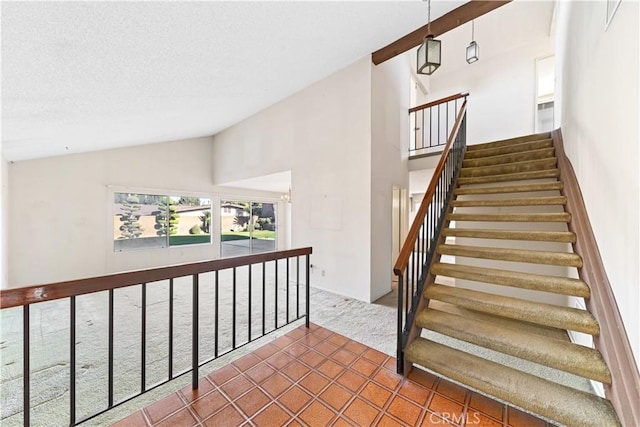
<point>85,76</point>
<point>80,76</point>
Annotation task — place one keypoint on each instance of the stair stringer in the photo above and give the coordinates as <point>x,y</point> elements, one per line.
<point>613,342</point>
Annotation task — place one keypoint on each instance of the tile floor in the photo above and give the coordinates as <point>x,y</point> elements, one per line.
<point>314,377</point>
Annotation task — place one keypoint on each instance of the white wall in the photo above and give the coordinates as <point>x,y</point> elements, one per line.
<point>60,209</point>
<point>323,135</point>
<point>390,98</point>
<point>597,107</point>
<point>4,222</point>
<point>502,91</point>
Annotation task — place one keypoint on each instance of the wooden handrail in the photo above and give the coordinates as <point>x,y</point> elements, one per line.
<point>412,235</point>
<point>613,342</point>
<point>40,293</point>
<point>439,101</point>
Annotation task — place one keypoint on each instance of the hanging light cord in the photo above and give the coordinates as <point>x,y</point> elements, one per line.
<point>472,29</point>
<point>428,16</point>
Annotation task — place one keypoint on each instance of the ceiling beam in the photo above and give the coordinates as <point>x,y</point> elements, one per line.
<point>446,22</point>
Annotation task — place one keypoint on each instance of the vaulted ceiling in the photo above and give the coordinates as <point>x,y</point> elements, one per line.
<point>84,76</point>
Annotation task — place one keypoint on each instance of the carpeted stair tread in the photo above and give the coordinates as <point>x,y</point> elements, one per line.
<point>508,177</point>
<point>510,141</point>
<point>516,279</point>
<point>506,149</point>
<point>515,255</point>
<point>554,401</point>
<point>522,156</point>
<point>566,356</point>
<point>508,168</point>
<point>538,236</point>
<point>545,186</point>
<point>515,308</point>
<point>515,217</point>
<point>516,325</point>
<point>521,201</point>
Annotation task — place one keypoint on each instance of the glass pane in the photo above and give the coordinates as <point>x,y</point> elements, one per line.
<point>136,221</point>
<point>235,218</point>
<point>263,236</point>
<point>189,220</point>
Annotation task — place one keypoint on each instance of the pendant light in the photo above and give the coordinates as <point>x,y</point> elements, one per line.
<point>429,57</point>
<point>473,50</point>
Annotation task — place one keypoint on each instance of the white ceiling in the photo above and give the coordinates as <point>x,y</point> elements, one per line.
<point>85,76</point>
<point>80,76</point>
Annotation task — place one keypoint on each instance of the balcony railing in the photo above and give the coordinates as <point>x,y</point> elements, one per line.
<point>431,124</point>
<point>116,337</point>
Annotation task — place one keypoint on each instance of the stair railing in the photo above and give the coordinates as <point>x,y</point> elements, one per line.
<point>418,250</point>
<point>209,287</point>
<point>431,124</point>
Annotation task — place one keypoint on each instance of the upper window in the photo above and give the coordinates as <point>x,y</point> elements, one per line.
<point>143,221</point>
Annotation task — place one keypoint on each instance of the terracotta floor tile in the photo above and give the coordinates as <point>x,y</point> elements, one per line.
<point>517,418</point>
<point>283,342</point>
<point>209,404</point>
<point>391,364</point>
<point>181,418</point>
<point>134,420</point>
<point>294,423</point>
<point>375,394</point>
<point>279,360</point>
<point>312,358</point>
<point>451,390</point>
<point>352,380</point>
<point>387,379</point>
<point>311,340</point>
<point>162,408</point>
<point>314,382</point>
<point>488,406</point>
<point>227,417</point>
<point>298,333</point>
<point>246,362</point>
<point>252,402</point>
<point>222,375</point>
<point>341,422</point>
<point>477,419</point>
<point>387,421</point>
<point>343,356</point>
<point>237,386</point>
<point>297,349</point>
<point>434,420</point>
<point>364,367</point>
<point>323,333</point>
<point>375,356</point>
<point>317,414</point>
<point>331,369</point>
<point>295,370</point>
<point>361,413</point>
<point>294,399</point>
<point>276,384</point>
<point>355,347</point>
<point>335,396</point>
<point>204,387</point>
<point>273,415</point>
<point>423,378</point>
<point>266,351</point>
<point>325,348</point>
<point>404,410</point>
<point>260,372</point>
<point>338,340</point>
<point>414,392</point>
<point>446,408</point>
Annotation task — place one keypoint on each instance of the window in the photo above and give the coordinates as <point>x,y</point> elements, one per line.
<point>247,227</point>
<point>144,221</point>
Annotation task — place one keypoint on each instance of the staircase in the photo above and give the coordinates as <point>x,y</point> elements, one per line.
<point>512,274</point>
